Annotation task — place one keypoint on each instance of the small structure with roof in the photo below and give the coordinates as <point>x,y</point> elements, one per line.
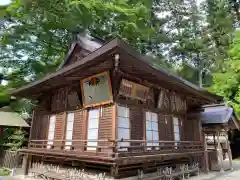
<point>9,118</point>
<point>218,121</point>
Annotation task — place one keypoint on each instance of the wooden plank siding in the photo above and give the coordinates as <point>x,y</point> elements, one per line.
<point>196,130</point>
<point>182,123</point>
<point>39,125</point>
<point>169,133</point>
<point>105,130</point>
<point>44,127</point>
<point>137,120</point>
<point>59,132</point>
<point>79,129</point>
<point>34,125</point>
<point>164,127</point>
<point>185,129</point>
<point>191,130</point>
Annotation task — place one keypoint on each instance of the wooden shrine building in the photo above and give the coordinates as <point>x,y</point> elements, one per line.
<point>107,108</point>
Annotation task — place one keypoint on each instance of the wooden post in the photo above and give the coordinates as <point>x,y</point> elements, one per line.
<point>219,151</point>
<point>229,155</point>
<point>25,164</point>
<point>114,122</point>
<point>214,141</point>
<point>31,128</point>
<point>205,154</point>
<point>229,151</point>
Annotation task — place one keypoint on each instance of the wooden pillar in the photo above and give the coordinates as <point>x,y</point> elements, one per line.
<point>25,163</point>
<point>114,122</point>
<point>114,171</point>
<point>214,141</point>
<point>205,154</point>
<point>219,151</point>
<point>229,151</point>
<point>31,128</point>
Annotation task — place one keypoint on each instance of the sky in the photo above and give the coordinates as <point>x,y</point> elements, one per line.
<point>4,2</point>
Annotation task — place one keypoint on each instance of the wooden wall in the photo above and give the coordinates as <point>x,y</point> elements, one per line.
<point>189,129</point>
<point>165,127</point>
<point>40,125</point>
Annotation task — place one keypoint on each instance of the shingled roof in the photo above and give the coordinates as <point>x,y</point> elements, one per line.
<point>88,42</point>
<point>92,59</point>
<point>10,118</point>
<point>219,114</point>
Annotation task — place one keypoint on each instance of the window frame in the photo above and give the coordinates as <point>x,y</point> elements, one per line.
<point>50,142</point>
<point>87,134</point>
<point>177,142</point>
<point>152,144</point>
<point>117,126</point>
<point>68,144</point>
<point>109,86</point>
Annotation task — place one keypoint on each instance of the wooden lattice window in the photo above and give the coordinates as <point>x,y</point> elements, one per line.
<point>133,90</point>
<point>126,88</point>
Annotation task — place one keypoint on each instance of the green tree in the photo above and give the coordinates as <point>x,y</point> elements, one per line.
<point>14,138</point>
<point>226,82</point>
<point>40,32</point>
<point>204,39</point>
<point>220,31</point>
<point>37,34</point>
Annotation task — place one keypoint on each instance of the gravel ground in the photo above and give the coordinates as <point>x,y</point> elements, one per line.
<point>227,175</point>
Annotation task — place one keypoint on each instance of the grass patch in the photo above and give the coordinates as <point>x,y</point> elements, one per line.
<point>4,172</point>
